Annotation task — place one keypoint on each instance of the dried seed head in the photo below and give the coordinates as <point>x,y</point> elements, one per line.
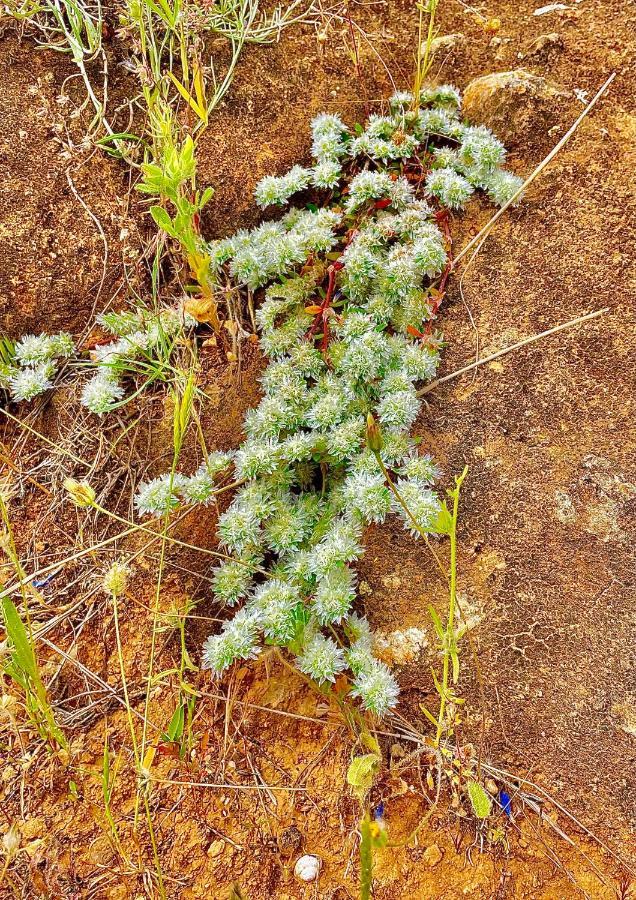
<point>82,494</point>
<point>374,435</point>
<point>11,841</point>
<point>115,579</point>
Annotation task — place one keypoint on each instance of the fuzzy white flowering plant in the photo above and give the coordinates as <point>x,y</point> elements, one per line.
<point>351,285</point>
<point>143,345</point>
<point>30,364</point>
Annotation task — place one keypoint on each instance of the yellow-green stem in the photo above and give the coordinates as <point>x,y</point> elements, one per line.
<point>449,637</point>
<point>408,512</point>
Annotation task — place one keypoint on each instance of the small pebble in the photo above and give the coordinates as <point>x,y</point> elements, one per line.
<point>307,868</point>
<point>432,855</point>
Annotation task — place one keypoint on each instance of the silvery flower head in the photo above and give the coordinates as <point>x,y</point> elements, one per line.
<point>276,190</point>
<point>421,468</point>
<point>419,362</point>
<point>335,594</point>
<point>288,527</point>
<point>101,393</point>
<point>238,528</point>
<point>443,95</point>
<point>376,688</point>
<point>329,134</point>
<point>481,152</point>
<point>158,496</point>
<point>368,186</point>
<point>450,188</point>
<point>321,659</point>
<point>399,410</point>
<point>307,360</point>
<point>340,545</point>
<point>258,498</point>
<point>237,640</point>
<point>326,174</point>
<point>231,582</point>
<point>32,349</point>
<point>359,657</point>
<point>368,495</point>
<point>276,602</point>
<point>198,488</point>
<point>501,186</point>
<point>345,439</point>
<point>358,630</point>
<point>27,383</point>
<point>400,101</point>
<point>422,503</point>
<point>256,458</point>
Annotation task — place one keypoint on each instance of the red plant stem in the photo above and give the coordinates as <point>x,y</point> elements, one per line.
<point>322,314</point>
<point>442,219</point>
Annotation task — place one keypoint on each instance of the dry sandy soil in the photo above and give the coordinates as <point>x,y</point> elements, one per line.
<point>547,524</point>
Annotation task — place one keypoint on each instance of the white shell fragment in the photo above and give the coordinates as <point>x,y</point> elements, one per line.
<point>307,868</point>
<point>552,7</point>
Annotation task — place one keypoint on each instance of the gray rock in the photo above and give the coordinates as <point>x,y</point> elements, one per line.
<point>522,109</point>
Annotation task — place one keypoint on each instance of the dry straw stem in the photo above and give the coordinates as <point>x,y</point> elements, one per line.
<point>528,340</point>
<point>478,241</point>
<point>480,237</point>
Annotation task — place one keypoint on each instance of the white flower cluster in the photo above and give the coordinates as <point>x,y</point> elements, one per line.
<point>274,249</point>
<point>464,157</point>
<point>163,494</point>
<point>141,337</point>
<point>33,365</point>
<point>346,323</point>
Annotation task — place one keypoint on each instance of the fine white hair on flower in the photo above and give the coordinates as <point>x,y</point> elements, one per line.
<point>358,629</point>
<point>231,582</point>
<point>340,545</point>
<point>288,527</point>
<point>258,498</point>
<point>501,186</point>
<point>345,439</point>
<point>30,367</point>
<point>32,349</point>
<point>326,174</point>
<point>157,497</point>
<point>451,189</point>
<point>330,135</point>
<point>321,659</point>
<point>359,656</point>
<point>376,688</point>
<point>217,461</point>
<point>237,640</point>
<point>334,595</point>
<point>238,528</point>
<point>480,152</point>
<point>141,336</point>
<point>422,503</point>
<point>399,410</point>
<point>27,383</point>
<point>421,468</point>
<point>198,488</point>
<point>443,95</point>
<point>276,190</point>
<point>256,458</point>
<point>400,100</point>
<point>368,495</point>
<point>101,393</point>
<point>276,603</point>
<point>368,186</point>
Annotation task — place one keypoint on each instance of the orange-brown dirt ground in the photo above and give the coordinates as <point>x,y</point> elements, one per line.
<point>547,522</point>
